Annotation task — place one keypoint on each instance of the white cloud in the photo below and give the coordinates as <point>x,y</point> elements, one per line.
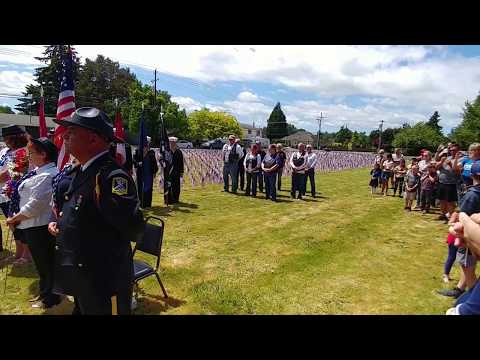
<point>187,103</point>
<point>247,96</point>
<point>396,81</point>
<point>14,82</point>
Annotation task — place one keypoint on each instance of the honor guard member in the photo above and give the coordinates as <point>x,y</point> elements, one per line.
<point>176,171</point>
<point>97,218</point>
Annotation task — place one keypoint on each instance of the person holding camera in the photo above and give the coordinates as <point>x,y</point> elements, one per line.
<point>463,166</point>
<point>447,181</point>
<point>232,152</point>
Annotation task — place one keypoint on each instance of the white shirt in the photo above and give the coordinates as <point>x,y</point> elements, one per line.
<point>249,157</point>
<point>227,148</point>
<point>311,160</point>
<point>422,166</point>
<point>301,168</point>
<point>35,196</point>
<point>89,162</point>
<point>396,158</point>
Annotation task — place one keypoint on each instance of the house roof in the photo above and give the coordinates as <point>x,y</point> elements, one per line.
<point>248,127</point>
<point>23,120</point>
<point>298,135</point>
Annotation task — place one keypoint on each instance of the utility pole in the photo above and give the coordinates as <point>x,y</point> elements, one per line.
<point>319,119</point>
<point>155,88</point>
<point>380,135</point>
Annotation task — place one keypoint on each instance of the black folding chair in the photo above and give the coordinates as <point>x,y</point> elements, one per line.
<point>151,244</point>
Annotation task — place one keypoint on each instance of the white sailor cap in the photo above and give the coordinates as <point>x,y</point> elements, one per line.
<point>173,139</point>
<point>149,139</point>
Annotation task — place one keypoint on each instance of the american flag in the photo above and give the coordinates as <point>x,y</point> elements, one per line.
<point>65,105</point>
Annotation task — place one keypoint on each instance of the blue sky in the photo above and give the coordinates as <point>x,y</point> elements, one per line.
<point>355,86</point>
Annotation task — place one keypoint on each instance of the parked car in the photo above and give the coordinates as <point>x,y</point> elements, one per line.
<point>213,144</point>
<point>184,144</point>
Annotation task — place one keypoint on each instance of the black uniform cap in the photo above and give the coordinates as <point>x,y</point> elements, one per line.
<point>12,130</point>
<point>48,146</point>
<point>90,118</point>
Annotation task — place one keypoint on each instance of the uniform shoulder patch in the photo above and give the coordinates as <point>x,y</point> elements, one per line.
<point>119,186</point>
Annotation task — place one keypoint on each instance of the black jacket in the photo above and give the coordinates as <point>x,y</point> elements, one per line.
<point>177,164</point>
<point>98,218</point>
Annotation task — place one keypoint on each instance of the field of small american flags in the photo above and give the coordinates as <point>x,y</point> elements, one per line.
<point>203,167</point>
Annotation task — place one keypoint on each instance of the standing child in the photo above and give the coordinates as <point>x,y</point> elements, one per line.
<point>376,173</point>
<point>387,173</point>
<point>412,183</point>
<point>427,183</point>
<point>399,171</point>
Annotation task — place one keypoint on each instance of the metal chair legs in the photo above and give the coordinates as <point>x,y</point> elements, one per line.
<point>161,285</point>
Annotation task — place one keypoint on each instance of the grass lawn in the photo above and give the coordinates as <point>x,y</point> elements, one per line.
<point>345,252</point>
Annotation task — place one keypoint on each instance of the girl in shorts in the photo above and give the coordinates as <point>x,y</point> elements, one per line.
<point>387,172</point>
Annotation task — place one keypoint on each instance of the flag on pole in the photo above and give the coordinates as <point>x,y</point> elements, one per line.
<point>65,105</point>
<point>167,160</point>
<point>142,142</point>
<point>41,115</point>
<point>121,153</point>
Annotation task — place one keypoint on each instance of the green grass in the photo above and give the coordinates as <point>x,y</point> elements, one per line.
<point>346,252</point>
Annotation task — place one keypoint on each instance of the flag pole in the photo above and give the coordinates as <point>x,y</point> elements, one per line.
<point>140,152</point>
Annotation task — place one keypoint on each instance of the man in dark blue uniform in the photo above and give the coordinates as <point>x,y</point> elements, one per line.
<point>98,216</point>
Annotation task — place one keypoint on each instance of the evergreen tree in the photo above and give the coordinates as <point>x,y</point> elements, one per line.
<point>433,122</point>
<point>49,77</point>
<point>276,124</point>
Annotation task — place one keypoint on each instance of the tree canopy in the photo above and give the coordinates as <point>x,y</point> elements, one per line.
<point>469,129</point>
<point>206,125</point>
<point>175,119</point>
<point>100,82</point>
<point>6,110</point>
<point>418,137</point>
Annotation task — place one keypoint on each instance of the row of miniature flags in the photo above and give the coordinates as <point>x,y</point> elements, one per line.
<point>204,167</point>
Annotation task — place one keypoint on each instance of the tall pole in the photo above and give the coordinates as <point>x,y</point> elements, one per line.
<point>319,119</point>
<point>155,87</point>
<point>380,136</point>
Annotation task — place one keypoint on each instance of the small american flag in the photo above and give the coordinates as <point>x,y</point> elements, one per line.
<point>65,105</point>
